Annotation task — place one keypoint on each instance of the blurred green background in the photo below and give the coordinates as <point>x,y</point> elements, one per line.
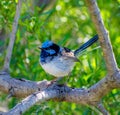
<point>67,23</point>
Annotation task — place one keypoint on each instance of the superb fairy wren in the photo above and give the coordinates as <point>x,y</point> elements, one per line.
<point>59,61</point>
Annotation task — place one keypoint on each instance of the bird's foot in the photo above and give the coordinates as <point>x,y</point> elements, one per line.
<point>55,82</point>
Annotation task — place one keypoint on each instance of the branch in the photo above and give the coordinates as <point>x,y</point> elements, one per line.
<point>31,100</point>
<point>90,96</point>
<point>103,36</point>
<point>102,109</point>
<point>20,87</point>
<point>12,37</point>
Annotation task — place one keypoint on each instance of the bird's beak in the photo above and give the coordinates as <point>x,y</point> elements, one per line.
<point>40,48</point>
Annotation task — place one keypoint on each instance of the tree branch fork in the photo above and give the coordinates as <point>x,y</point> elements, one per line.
<point>42,91</point>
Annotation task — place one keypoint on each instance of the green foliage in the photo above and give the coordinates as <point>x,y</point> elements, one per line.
<point>68,23</point>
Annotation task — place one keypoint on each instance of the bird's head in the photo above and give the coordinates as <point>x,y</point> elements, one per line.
<point>49,48</point>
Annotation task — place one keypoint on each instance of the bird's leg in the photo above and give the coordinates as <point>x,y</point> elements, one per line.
<point>68,77</point>
<point>55,81</point>
<point>58,79</point>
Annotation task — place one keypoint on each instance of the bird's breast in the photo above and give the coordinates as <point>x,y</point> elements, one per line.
<point>58,67</point>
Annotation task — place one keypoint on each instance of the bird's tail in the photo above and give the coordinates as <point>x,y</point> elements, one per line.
<point>86,45</point>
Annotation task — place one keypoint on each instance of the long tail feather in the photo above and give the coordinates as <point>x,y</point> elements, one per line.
<point>86,45</point>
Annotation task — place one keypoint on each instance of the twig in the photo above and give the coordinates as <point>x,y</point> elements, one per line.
<point>102,109</point>
<point>12,37</point>
<point>103,36</point>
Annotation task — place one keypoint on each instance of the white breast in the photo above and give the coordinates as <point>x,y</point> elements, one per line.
<point>58,67</point>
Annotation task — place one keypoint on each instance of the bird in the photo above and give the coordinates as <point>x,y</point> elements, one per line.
<point>59,61</point>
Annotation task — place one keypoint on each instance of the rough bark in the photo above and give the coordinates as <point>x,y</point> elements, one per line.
<point>103,35</point>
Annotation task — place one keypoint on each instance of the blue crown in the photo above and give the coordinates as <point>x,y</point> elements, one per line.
<point>47,44</point>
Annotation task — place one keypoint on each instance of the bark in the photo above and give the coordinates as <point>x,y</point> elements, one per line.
<point>12,37</point>
<point>103,35</point>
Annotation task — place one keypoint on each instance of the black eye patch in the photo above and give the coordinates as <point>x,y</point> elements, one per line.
<point>55,47</point>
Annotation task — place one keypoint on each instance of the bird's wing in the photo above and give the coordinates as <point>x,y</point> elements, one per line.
<point>68,54</point>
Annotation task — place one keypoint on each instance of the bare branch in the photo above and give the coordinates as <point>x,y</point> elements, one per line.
<point>90,96</point>
<point>102,109</point>
<point>31,100</point>
<point>103,36</point>
<point>12,37</point>
<point>20,87</point>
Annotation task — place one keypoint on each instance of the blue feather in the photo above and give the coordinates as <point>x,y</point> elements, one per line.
<point>47,44</point>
